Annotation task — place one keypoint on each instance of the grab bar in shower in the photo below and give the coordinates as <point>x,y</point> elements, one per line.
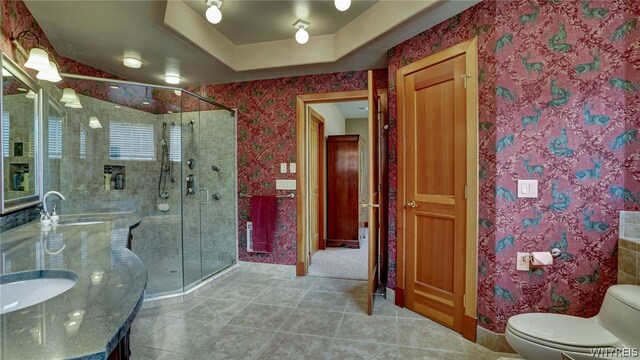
<point>289,195</point>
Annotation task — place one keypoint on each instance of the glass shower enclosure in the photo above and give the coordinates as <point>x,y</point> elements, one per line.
<point>164,153</point>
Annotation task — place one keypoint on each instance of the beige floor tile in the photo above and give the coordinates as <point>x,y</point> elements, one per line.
<point>235,292</point>
<point>338,285</point>
<point>289,346</point>
<point>173,310</point>
<point>314,322</point>
<point>280,296</point>
<point>300,282</point>
<point>354,350</point>
<point>215,310</point>
<point>379,329</point>
<point>145,325</point>
<point>182,335</point>
<point>231,343</point>
<point>328,301</point>
<point>426,334</point>
<point>261,316</point>
<point>144,353</point>
<point>255,279</point>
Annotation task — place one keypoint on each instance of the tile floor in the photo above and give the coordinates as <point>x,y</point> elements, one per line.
<point>257,316</point>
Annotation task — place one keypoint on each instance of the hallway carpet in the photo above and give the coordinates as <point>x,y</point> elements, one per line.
<point>342,263</point>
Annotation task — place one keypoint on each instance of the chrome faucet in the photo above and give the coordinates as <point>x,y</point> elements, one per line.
<point>44,199</point>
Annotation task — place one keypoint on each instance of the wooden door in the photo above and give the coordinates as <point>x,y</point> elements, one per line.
<point>433,101</point>
<point>373,205</point>
<point>316,182</point>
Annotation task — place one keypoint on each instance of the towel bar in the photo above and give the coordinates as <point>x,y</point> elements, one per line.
<point>290,195</point>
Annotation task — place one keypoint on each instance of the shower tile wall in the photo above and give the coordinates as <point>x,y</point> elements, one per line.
<point>82,178</point>
<point>212,143</point>
<point>20,131</point>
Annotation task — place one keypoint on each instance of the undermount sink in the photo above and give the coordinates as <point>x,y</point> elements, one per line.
<point>20,290</point>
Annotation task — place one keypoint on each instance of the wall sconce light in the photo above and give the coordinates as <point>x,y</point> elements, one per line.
<point>213,14</point>
<point>37,58</point>
<point>70,99</point>
<point>342,5</point>
<point>302,36</point>
<point>94,123</point>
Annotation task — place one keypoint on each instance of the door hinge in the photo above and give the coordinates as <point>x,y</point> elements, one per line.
<point>466,191</point>
<point>465,77</point>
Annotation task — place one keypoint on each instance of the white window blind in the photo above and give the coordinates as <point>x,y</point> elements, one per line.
<point>83,143</point>
<point>175,144</point>
<point>5,134</point>
<point>54,137</point>
<point>131,141</point>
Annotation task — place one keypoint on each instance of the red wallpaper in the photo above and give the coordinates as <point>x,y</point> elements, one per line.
<point>559,102</point>
<point>267,137</point>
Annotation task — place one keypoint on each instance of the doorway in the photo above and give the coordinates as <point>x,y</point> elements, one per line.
<point>377,121</point>
<point>339,130</point>
<point>437,186</point>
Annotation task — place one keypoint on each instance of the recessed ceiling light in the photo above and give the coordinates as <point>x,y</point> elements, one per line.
<point>172,79</point>
<point>118,107</point>
<point>114,87</point>
<point>21,89</point>
<point>177,92</point>
<point>132,62</point>
<point>169,112</point>
<point>145,103</point>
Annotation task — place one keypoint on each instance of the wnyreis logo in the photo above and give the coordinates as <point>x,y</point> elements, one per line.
<point>624,353</point>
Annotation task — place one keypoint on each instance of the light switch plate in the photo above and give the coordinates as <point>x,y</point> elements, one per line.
<point>283,168</point>
<point>292,168</point>
<point>527,188</point>
<point>285,184</point>
<point>522,261</point>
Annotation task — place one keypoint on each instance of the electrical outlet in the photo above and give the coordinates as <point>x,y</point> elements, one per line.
<point>523,261</point>
<point>283,168</point>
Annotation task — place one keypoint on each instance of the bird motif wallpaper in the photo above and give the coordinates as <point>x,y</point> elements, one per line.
<point>559,102</point>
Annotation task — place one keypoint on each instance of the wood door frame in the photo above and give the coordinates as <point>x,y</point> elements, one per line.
<point>302,203</point>
<point>322,165</point>
<point>470,49</point>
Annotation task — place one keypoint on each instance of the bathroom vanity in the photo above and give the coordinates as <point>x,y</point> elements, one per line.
<point>92,319</point>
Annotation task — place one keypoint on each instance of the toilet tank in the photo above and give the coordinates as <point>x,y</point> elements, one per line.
<point>620,314</point>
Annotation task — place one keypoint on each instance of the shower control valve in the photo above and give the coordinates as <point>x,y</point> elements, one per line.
<point>216,196</point>
<point>215,168</point>
<point>191,163</point>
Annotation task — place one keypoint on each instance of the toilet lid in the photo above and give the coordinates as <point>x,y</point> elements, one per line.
<point>563,329</point>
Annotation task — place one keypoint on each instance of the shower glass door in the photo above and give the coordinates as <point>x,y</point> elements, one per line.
<point>209,189</point>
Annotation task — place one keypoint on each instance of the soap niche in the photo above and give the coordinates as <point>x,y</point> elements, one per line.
<point>19,177</point>
<point>114,177</point>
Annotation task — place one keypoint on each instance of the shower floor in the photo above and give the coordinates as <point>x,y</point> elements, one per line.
<point>165,276</point>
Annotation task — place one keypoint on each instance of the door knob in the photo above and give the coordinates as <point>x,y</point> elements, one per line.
<point>412,204</point>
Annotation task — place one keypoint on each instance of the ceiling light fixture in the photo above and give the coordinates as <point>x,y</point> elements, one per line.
<point>342,5</point>
<point>132,62</point>
<point>302,36</point>
<point>94,123</point>
<point>172,79</point>
<point>37,58</point>
<point>213,14</point>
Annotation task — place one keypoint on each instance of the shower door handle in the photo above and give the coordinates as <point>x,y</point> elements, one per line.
<point>206,191</point>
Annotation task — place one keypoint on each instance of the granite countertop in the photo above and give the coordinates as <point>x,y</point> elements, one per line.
<point>88,320</point>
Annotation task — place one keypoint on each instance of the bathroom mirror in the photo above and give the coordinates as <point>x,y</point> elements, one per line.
<point>20,140</point>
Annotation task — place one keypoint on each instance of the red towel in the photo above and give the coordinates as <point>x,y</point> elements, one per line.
<point>263,217</point>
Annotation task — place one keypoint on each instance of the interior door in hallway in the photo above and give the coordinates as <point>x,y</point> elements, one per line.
<point>432,102</point>
<point>316,183</point>
<point>374,194</point>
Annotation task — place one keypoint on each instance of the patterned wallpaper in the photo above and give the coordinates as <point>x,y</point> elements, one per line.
<point>559,102</point>
<point>267,137</point>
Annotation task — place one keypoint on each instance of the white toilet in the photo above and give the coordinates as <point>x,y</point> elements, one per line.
<point>541,336</point>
